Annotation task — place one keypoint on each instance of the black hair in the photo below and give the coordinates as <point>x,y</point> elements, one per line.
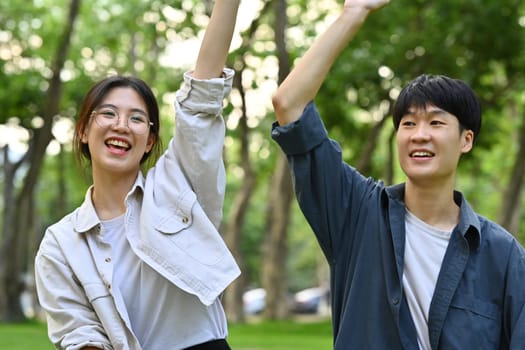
<point>452,95</point>
<point>97,93</point>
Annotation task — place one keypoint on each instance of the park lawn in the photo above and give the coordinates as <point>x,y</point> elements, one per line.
<point>24,336</point>
<point>282,335</point>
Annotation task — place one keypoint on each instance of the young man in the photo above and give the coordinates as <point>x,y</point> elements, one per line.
<point>412,265</point>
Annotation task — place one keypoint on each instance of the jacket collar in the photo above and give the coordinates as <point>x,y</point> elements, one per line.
<point>469,224</point>
<point>85,217</point>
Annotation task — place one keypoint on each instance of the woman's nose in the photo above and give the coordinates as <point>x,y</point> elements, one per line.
<point>121,123</point>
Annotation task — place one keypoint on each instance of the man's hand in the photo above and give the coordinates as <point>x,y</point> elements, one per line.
<point>366,4</point>
<point>302,84</point>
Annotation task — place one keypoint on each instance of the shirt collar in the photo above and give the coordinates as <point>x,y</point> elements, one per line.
<point>86,218</point>
<point>469,224</point>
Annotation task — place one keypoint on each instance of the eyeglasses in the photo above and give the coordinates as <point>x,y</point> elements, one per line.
<point>137,122</point>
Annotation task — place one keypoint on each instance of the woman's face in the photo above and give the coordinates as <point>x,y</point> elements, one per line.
<point>114,136</point>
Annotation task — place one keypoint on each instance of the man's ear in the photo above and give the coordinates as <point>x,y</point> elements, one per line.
<point>467,141</point>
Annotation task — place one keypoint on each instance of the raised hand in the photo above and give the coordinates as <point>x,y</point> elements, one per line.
<point>302,84</point>
<point>367,4</point>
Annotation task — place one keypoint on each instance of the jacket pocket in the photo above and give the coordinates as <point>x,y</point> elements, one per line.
<point>178,217</point>
<point>189,229</point>
<point>478,307</point>
<point>201,242</point>
<point>472,323</point>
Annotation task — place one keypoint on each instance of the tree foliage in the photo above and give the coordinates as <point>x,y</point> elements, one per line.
<point>482,42</point>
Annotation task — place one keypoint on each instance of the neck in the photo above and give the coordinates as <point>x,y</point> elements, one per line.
<point>109,194</point>
<point>434,205</point>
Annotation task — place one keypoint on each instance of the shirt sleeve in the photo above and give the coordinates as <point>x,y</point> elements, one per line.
<point>71,321</point>
<point>303,135</point>
<point>330,193</point>
<point>199,139</point>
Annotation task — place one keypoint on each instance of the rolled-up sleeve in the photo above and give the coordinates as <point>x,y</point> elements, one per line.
<point>198,96</point>
<point>199,139</point>
<point>302,135</point>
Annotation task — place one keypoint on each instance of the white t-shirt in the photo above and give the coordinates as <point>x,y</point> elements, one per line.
<point>425,247</point>
<point>162,315</point>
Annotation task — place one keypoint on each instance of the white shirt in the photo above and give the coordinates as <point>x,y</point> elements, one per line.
<point>425,247</point>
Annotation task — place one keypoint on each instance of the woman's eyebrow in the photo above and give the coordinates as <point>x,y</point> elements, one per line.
<point>112,106</point>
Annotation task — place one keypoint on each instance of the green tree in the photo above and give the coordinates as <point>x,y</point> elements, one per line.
<point>482,43</point>
<point>49,59</point>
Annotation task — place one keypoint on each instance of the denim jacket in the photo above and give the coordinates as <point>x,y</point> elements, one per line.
<point>479,298</point>
<point>171,222</point>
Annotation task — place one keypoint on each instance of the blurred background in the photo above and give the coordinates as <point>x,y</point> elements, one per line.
<point>51,52</point>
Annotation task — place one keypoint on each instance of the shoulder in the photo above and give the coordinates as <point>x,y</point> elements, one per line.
<point>61,233</point>
<point>63,225</point>
<point>493,231</point>
<point>494,237</point>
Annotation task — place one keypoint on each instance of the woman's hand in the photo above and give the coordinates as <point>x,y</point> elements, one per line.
<point>366,4</point>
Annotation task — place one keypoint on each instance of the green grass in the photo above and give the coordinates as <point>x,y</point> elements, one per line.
<point>30,335</point>
<point>283,335</point>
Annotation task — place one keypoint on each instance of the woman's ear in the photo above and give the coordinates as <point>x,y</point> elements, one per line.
<point>84,137</point>
<point>151,141</point>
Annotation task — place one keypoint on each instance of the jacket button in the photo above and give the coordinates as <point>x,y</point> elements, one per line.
<point>108,260</point>
<point>185,220</point>
<point>395,301</point>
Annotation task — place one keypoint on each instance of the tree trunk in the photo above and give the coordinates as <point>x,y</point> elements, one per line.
<point>233,297</point>
<point>365,161</point>
<point>7,279</point>
<point>511,201</point>
<point>275,250</point>
<point>388,172</point>
<point>15,258</point>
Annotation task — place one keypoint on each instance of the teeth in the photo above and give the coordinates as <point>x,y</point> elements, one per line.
<point>421,154</point>
<point>118,143</point>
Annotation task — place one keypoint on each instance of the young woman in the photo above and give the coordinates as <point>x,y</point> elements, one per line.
<point>140,264</point>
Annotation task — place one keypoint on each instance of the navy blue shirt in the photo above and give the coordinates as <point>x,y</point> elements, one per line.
<point>479,298</point>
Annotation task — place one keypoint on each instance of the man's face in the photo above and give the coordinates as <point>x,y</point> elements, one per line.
<point>430,143</point>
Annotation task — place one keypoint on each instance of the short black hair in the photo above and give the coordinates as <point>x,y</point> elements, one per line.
<point>452,95</point>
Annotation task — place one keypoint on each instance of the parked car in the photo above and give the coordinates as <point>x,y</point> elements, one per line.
<point>254,301</point>
<point>311,301</point>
